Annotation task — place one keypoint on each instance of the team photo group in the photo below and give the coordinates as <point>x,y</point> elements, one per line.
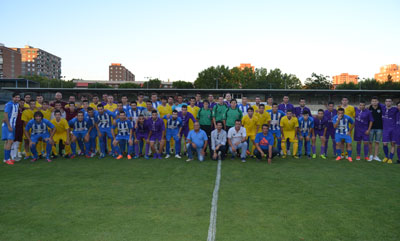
<point>211,128</point>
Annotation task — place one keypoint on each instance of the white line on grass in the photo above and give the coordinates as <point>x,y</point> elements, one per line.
<point>213,215</point>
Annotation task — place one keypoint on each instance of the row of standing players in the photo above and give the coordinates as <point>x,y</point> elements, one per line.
<point>265,126</point>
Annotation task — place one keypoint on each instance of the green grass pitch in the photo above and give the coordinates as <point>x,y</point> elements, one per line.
<point>169,199</point>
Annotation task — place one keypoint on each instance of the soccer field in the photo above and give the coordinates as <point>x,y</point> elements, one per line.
<point>169,199</point>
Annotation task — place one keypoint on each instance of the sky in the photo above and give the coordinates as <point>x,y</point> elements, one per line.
<point>176,40</point>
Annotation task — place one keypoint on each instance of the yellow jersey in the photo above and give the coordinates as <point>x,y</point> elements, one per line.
<point>250,124</point>
<point>263,118</point>
<point>26,106</point>
<point>143,104</point>
<point>350,111</point>
<point>46,114</point>
<point>111,107</point>
<point>38,106</point>
<point>194,111</point>
<point>164,110</point>
<point>27,115</point>
<point>255,107</point>
<point>94,106</point>
<point>61,127</point>
<point>268,107</point>
<point>289,125</point>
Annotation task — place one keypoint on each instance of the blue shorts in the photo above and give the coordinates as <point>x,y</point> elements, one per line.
<point>79,134</point>
<point>277,133</point>
<point>172,133</point>
<point>119,138</point>
<point>340,137</point>
<point>93,133</point>
<point>6,134</point>
<point>303,134</point>
<point>106,132</point>
<point>36,137</point>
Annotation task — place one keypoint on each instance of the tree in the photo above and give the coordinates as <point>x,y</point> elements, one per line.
<point>370,84</point>
<point>153,83</point>
<point>49,83</point>
<point>214,77</point>
<point>292,82</point>
<point>98,86</point>
<point>347,86</point>
<point>128,86</point>
<point>278,80</point>
<point>244,78</point>
<point>317,82</point>
<point>180,84</point>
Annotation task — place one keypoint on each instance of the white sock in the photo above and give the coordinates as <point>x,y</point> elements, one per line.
<point>14,151</point>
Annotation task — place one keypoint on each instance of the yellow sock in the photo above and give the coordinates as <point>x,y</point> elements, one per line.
<point>295,148</point>
<point>283,146</point>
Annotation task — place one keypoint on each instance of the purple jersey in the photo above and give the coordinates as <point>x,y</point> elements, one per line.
<point>142,129</point>
<point>328,115</point>
<point>397,129</point>
<point>211,105</point>
<point>389,117</point>
<point>199,104</point>
<point>298,111</point>
<point>320,124</point>
<point>185,119</point>
<point>285,107</point>
<point>362,120</point>
<point>156,126</point>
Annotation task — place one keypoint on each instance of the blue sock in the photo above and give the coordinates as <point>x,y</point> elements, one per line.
<point>87,148</point>
<point>93,144</point>
<point>391,155</point>
<point>34,152</point>
<point>300,148</point>
<point>338,152</point>
<point>73,147</point>
<point>386,151</point>
<point>349,152</point>
<point>167,147</point>
<point>7,155</point>
<point>279,145</point>
<point>81,146</point>
<point>118,150</point>
<point>308,147</point>
<point>103,145</point>
<point>178,146</point>
<point>48,150</point>
<point>130,150</point>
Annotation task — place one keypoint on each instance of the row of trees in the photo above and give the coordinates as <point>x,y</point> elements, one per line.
<point>223,77</point>
<point>370,84</point>
<point>49,83</point>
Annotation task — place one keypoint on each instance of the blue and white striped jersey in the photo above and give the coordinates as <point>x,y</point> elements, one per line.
<point>134,114</point>
<point>305,125</point>
<point>116,112</point>
<point>123,127</point>
<point>244,108</point>
<point>276,119</point>
<point>79,126</point>
<point>11,109</point>
<point>126,107</point>
<point>39,127</point>
<point>173,124</point>
<point>105,119</point>
<point>344,124</point>
<point>156,104</point>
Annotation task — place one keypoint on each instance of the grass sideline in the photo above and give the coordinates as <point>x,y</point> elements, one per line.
<point>108,199</point>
